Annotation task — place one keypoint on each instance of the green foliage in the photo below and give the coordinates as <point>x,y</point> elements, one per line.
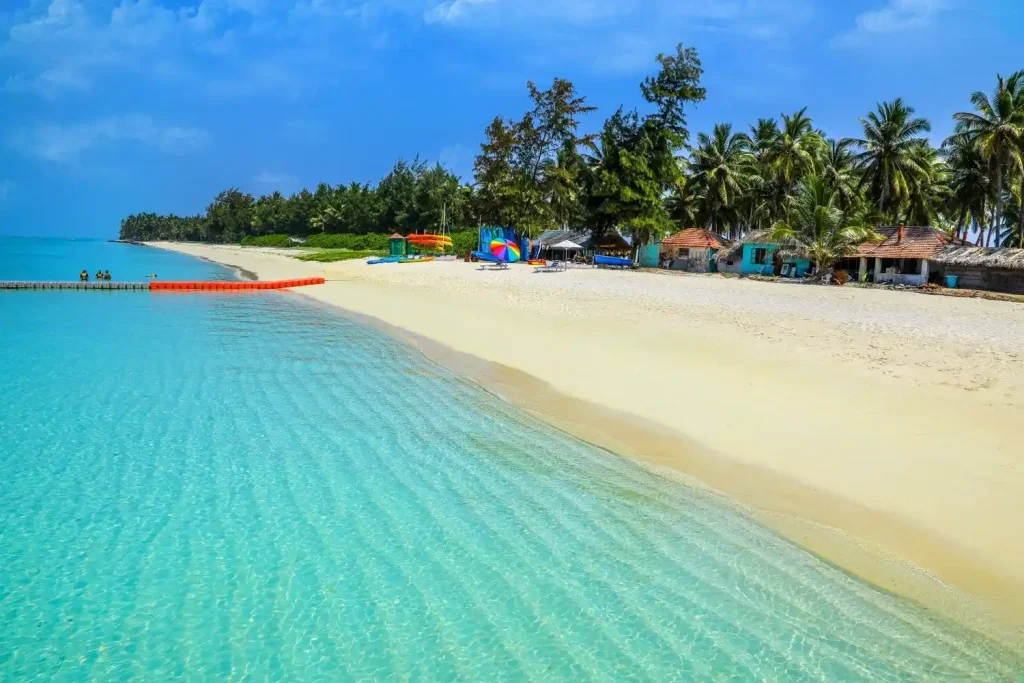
<point>413,197</point>
<point>817,228</point>
<point>332,255</point>
<point>891,159</point>
<point>995,129</point>
<point>528,170</point>
<point>723,170</point>
<point>676,84</point>
<point>267,241</point>
<point>465,240</point>
<point>370,242</point>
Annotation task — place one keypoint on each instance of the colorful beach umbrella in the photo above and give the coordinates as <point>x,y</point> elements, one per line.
<point>506,250</point>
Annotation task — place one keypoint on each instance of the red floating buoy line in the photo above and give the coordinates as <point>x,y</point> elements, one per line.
<point>192,286</point>
<point>206,286</point>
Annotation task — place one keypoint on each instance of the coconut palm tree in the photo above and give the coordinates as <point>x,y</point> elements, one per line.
<point>969,184</point>
<point>797,149</point>
<point>927,192</point>
<point>996,127</point>
<point>817,228</point>
<point>887,158</point>
<point>723,167</point>
<point>838,171</point>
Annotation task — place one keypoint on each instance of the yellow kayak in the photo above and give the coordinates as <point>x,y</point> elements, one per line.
<point>418,260</point>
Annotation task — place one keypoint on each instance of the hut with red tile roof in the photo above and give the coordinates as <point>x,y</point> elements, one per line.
<point>902,256</point>
<point>692,249</point>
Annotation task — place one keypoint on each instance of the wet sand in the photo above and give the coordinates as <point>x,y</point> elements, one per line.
<point>878,429</point>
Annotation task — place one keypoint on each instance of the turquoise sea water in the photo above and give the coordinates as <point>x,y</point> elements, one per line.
<point>233,486</point>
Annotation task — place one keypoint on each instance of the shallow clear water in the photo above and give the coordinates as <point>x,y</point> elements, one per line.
<point>227,485</point>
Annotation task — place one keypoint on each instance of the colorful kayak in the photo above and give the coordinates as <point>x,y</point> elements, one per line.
<point>388,259</point>
<point>426,259</point>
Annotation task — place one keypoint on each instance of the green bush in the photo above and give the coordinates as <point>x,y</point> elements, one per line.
<point>267,241</point>
<point>372,242</point>
<point>465,240</point>
<point>331,255</point>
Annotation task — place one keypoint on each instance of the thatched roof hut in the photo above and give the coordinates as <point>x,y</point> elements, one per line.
<point>735,250</point>
<point>982,257</point>
<point>998,270</point>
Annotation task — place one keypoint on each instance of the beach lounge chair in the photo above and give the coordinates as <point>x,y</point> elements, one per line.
<point>553,267</point>
<point>490,261</point>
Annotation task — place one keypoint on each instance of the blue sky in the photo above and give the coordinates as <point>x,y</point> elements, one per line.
<point>114,107</point>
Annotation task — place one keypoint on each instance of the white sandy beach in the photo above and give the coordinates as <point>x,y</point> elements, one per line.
<point>846,418</point>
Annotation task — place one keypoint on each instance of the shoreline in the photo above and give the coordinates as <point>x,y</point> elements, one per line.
<point>880,545</point>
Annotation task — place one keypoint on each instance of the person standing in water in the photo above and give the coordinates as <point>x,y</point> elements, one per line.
<point>106,275</point>
<point>99,274</point>
<point>84,275</point>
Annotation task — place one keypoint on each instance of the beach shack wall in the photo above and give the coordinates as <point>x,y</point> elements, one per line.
<point>692,249</point>
<point>994,270</point>
<point>756,254</point>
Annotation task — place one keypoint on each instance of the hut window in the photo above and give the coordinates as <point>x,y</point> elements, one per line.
<point>760,256</point>
<point>683,253</point>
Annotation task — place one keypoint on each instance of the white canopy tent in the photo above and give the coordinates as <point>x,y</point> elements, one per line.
<point>566,246</point>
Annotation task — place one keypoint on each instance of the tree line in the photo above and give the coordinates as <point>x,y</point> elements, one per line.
<point>412,197</point>
<point>642,174</point>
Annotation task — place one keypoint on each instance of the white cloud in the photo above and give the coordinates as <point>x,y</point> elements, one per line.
<point>49,83</point>
<point>896,17</point>
<point>452,11</point>
<point>682,13</point>
<point>613,36</point>
<point>64,46</point>
<point>65,143</point>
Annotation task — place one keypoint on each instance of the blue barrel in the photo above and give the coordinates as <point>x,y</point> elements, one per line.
<point>952,281</point>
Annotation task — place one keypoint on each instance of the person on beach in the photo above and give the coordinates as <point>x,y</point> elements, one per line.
<point>84,275</point>
<point>106,275</point>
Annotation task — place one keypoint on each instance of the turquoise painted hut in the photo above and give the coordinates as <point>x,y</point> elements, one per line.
<point>758,254</point>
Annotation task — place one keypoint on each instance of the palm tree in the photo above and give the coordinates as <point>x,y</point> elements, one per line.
<point>817,228</point>
<point>722,170</point>
<point>996,127</point>
<point>763,140</point>
<point>797,149</point>
<point>887,159</point>
<point>837,171</point>
<point>969,184</point>
<point>927,191</point>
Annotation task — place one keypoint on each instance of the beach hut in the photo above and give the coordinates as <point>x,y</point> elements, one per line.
<point>903,255</point>
<point>611,242</point>
<point>995,270</point>
<point>693,250</point>
<point>758,254</point>
<point>396,245</point>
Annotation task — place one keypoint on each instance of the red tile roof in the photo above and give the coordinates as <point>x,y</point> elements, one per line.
<point>396,236</point>
<point>912,241</point>
<point>695,238</point>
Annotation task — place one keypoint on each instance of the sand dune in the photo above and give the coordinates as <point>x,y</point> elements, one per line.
<point>880,429</point>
